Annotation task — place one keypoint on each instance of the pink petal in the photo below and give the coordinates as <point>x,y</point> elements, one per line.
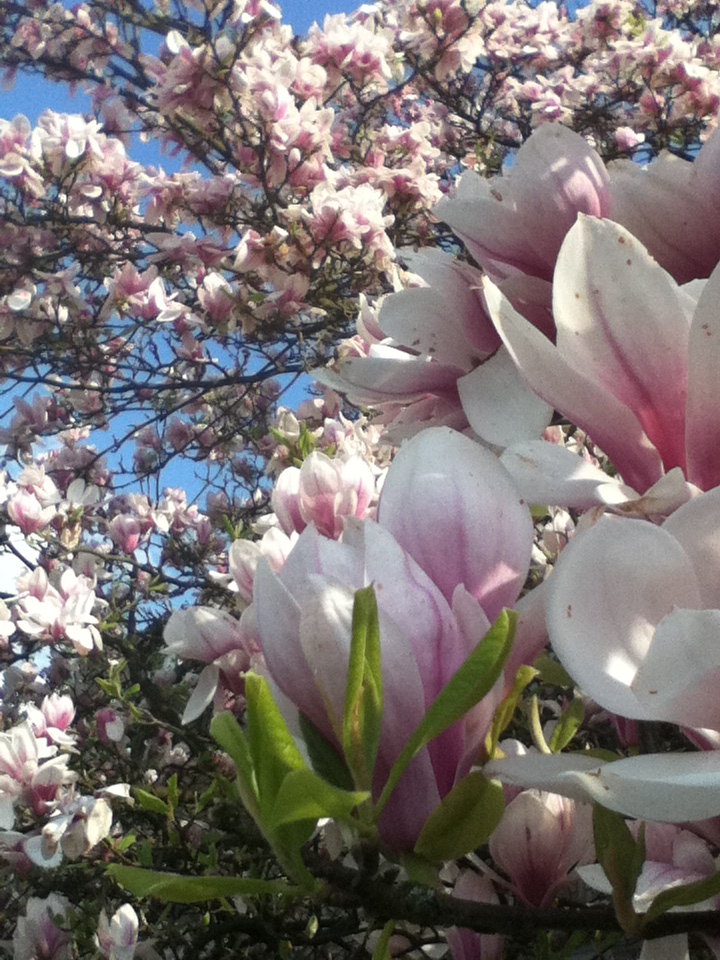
<point>624,322</point>
<point>576,394</point>
<point>451,505</point>
<point>703,415</point>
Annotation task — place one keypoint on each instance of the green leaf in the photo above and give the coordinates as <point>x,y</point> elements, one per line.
<point>272,748</point>
<point>567,726</point>
<point>175,888</point>
<point>226,730</point>
<point>362,717</point>
<point>464,820</point>
<point>506,711</point>
<point>464,689</point>
<point>621,856</point>
<point>323,756</point>
<point>148,801</point>
<point>552,672</point>
<point>304,796</point>
<point>172,789</point>
<point>684,896</point>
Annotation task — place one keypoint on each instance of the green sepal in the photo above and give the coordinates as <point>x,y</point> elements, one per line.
<point>178,889</point>
<point>567,726</point>
<point>362,718</point>
<point>464,820</point>
<point>382,949</point>
<point>470,683</point>
<point>226,730</point>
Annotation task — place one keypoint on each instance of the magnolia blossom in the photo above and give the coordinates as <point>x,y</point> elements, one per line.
<point>213,637</point>
<point>541,838</point>
<point>323,491</point>
<point>30,772</point>
<point>635,362</point>
<point>438,591</point>
<point>38,935</point>
<point>117,937</point>
<point>633,614</point>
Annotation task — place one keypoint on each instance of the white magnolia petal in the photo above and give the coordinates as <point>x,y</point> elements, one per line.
<point>678,680</point>
<point>668,787</point>
<point>696,526</point>
<point>202,695</point>
<point>548,474</point>
<point>498,403</point>
<point>602,616</point>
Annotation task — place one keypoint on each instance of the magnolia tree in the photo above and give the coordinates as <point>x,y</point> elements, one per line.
<point>425,664</point>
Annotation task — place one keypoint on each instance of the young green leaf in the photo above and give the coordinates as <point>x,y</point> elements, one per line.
<point>506,711</point>
<point>470,683</point>
<point>362,717</point>
<point>177,889</point>
<point>464,820</point>
<point>621,856</point>
<point>567,726</point>
<point>304,796</point>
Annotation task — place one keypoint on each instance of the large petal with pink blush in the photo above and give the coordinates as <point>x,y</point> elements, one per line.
<point>624,322</point>
<point>498,403</point>
<point>278,624</point>
<point>669,787</point>
<point>326,611</point>
<point>452,506</point>
<point>611,587</point>
<point>557,175</point>
<point>575,394</point>
<point>667,210</point>
<point>696,526</point>
<point>702,429</point>
<point>679,678</point>
<point>483,214</point>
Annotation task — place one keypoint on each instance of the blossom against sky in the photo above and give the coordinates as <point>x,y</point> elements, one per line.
<point>31,94</point>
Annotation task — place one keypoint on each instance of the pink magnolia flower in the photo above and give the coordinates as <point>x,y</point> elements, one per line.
<point>438,590</point>
<point>516,223</point>
<point>117,937</point>
<point>226,645</point>
<point>466,944</point>
<point>30,772</point>
<point>633,614</point>
<point>323,491</point>
<point>38,935</point>
<point>636,357</point>
<point>541,838</point>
